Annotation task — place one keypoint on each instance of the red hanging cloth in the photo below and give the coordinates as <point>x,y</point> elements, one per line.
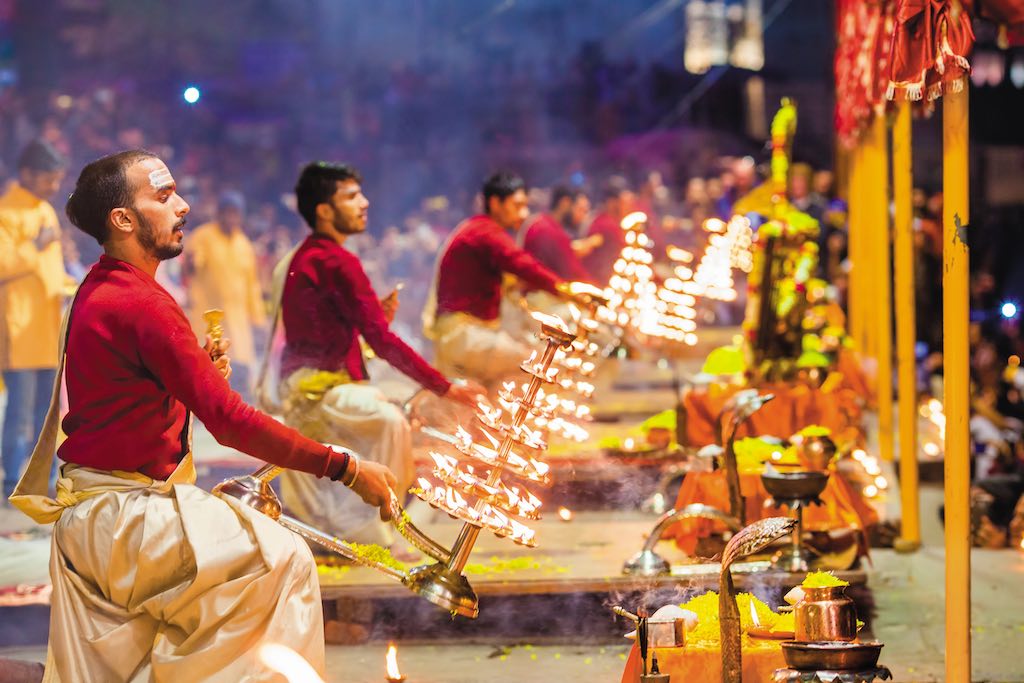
<point>864,34</point>
<point>928,50</point>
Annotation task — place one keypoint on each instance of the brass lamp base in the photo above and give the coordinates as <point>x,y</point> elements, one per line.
<point>252,491</point>
<point>793,559</point>
<point>445,588</point>
<point>646,563</point>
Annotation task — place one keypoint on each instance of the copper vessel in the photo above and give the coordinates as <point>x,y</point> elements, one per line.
<point>818,451</point>
<point>825,614</point>
<point>835,656</point>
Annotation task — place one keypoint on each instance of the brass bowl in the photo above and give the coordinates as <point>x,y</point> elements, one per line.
<point>794,485</point>
<point>831,655</point>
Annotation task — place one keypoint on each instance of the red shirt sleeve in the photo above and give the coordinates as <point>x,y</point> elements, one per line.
<point>512,259</point>
<point>360,303</point>
<point>168,348</point>
<point>602,259</point>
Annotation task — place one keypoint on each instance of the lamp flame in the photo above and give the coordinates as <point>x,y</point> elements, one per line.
<point>633,219</point>
<point>585,288</point>
<point>565,514</point>
<point>753,615</point>
<point>551,321</point>
<point>391,664</point>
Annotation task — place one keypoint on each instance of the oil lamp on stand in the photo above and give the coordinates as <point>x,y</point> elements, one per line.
<point>499,507</point>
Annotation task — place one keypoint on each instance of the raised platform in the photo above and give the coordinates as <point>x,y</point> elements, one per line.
<point>564,587</point>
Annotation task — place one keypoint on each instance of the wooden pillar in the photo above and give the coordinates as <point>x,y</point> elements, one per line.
<point>906,328</point>
<point>856,238</point>
<point>956,382</point>
<point>878,317</point>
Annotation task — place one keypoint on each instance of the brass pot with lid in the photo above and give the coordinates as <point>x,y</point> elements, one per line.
<point>825,614</point>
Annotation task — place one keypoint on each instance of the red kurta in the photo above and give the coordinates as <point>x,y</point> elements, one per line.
<point>469,275</point>
<point>328,302</point>
<point>134,371</point>
<point>600,261</point>
<point>548,242</point>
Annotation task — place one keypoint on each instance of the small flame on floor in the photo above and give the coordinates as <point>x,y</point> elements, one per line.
<point>565,514</point>
<point>391,663</point>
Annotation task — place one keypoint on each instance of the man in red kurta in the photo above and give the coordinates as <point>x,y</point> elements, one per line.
<point>153,578</point>
<point>464,324</point>
<point>617,203</point>
<point>549,236</point>
<point>327,304</point>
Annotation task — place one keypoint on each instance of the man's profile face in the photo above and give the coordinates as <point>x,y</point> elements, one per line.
<point>350,207</point>
<point>580,210</point>
<point>158,208</point>
<point>511,211</point>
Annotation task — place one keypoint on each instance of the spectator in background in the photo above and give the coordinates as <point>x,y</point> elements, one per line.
<point>32,281</point>
<point>822,187</point>
<point>617,202</point>
<point>223,275</point>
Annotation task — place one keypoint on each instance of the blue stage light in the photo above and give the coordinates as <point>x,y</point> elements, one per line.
<point>191,94</point>
<point>1008,309</point>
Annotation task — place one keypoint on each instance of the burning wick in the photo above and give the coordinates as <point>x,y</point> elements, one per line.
<point>565,514</point>
<point>628,444</point>
<point>753,615</point>
<point>391,663</point>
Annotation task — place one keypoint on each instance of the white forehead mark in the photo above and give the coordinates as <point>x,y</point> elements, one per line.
<point>161,177</point>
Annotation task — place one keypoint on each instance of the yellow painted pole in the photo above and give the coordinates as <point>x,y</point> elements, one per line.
<point>879,316</point>
<point>956,386</point>
<point>906,332</point>
<point>855,235</point>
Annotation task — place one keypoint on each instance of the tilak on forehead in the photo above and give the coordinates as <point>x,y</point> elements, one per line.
<point>161,177</point>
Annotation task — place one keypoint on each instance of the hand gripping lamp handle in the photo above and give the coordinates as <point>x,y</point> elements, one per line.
<point>399,519</point>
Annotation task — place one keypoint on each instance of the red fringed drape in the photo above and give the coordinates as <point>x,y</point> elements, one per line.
<point>929,49</point>
<point>864,32</point>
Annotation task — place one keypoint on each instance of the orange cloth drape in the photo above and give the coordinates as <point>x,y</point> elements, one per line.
<point>843,507</point>
<point>794,407</point>
<point>703,664</point>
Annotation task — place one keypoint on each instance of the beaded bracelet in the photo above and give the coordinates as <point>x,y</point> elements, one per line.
<point>344,468</point>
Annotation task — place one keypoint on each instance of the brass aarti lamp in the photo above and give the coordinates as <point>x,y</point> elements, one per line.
<point>499,506</point>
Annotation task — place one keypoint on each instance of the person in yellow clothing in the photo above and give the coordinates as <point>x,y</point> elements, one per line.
<point>224,276</point>
<point>32,280</point>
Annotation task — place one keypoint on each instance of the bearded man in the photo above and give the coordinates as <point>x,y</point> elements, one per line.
<point>154,578</point>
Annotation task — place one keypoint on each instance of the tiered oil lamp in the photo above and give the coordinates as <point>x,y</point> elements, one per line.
<point>636,301</point>
<point>728,249</point>
<point>509,447</point>
<point>560,409</point>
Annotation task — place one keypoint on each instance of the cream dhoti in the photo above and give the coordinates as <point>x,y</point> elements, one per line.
<point>467,346</point>
<point>358,417</point>
<point>162,581</point>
